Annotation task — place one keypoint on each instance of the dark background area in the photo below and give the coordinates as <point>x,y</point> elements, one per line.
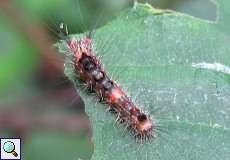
<point>37,102</point>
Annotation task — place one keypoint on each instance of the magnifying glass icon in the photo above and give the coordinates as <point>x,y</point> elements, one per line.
<point>9,147</point>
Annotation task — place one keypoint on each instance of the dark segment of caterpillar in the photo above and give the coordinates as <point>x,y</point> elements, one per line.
<point>90,71</point>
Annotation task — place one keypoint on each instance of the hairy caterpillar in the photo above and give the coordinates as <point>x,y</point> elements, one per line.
<point>90,71</point>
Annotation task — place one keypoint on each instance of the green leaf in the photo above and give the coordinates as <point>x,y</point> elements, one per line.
<point>177,67</point>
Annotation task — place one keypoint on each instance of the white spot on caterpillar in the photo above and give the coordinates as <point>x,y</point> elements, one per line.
<point>213,66</point>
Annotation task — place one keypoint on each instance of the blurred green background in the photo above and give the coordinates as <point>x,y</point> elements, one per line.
<point>37,102</point>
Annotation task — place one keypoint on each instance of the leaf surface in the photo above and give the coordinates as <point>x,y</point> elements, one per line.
<point>176,68</point>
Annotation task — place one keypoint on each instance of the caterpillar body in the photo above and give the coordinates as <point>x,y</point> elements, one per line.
<point>89,69</point>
